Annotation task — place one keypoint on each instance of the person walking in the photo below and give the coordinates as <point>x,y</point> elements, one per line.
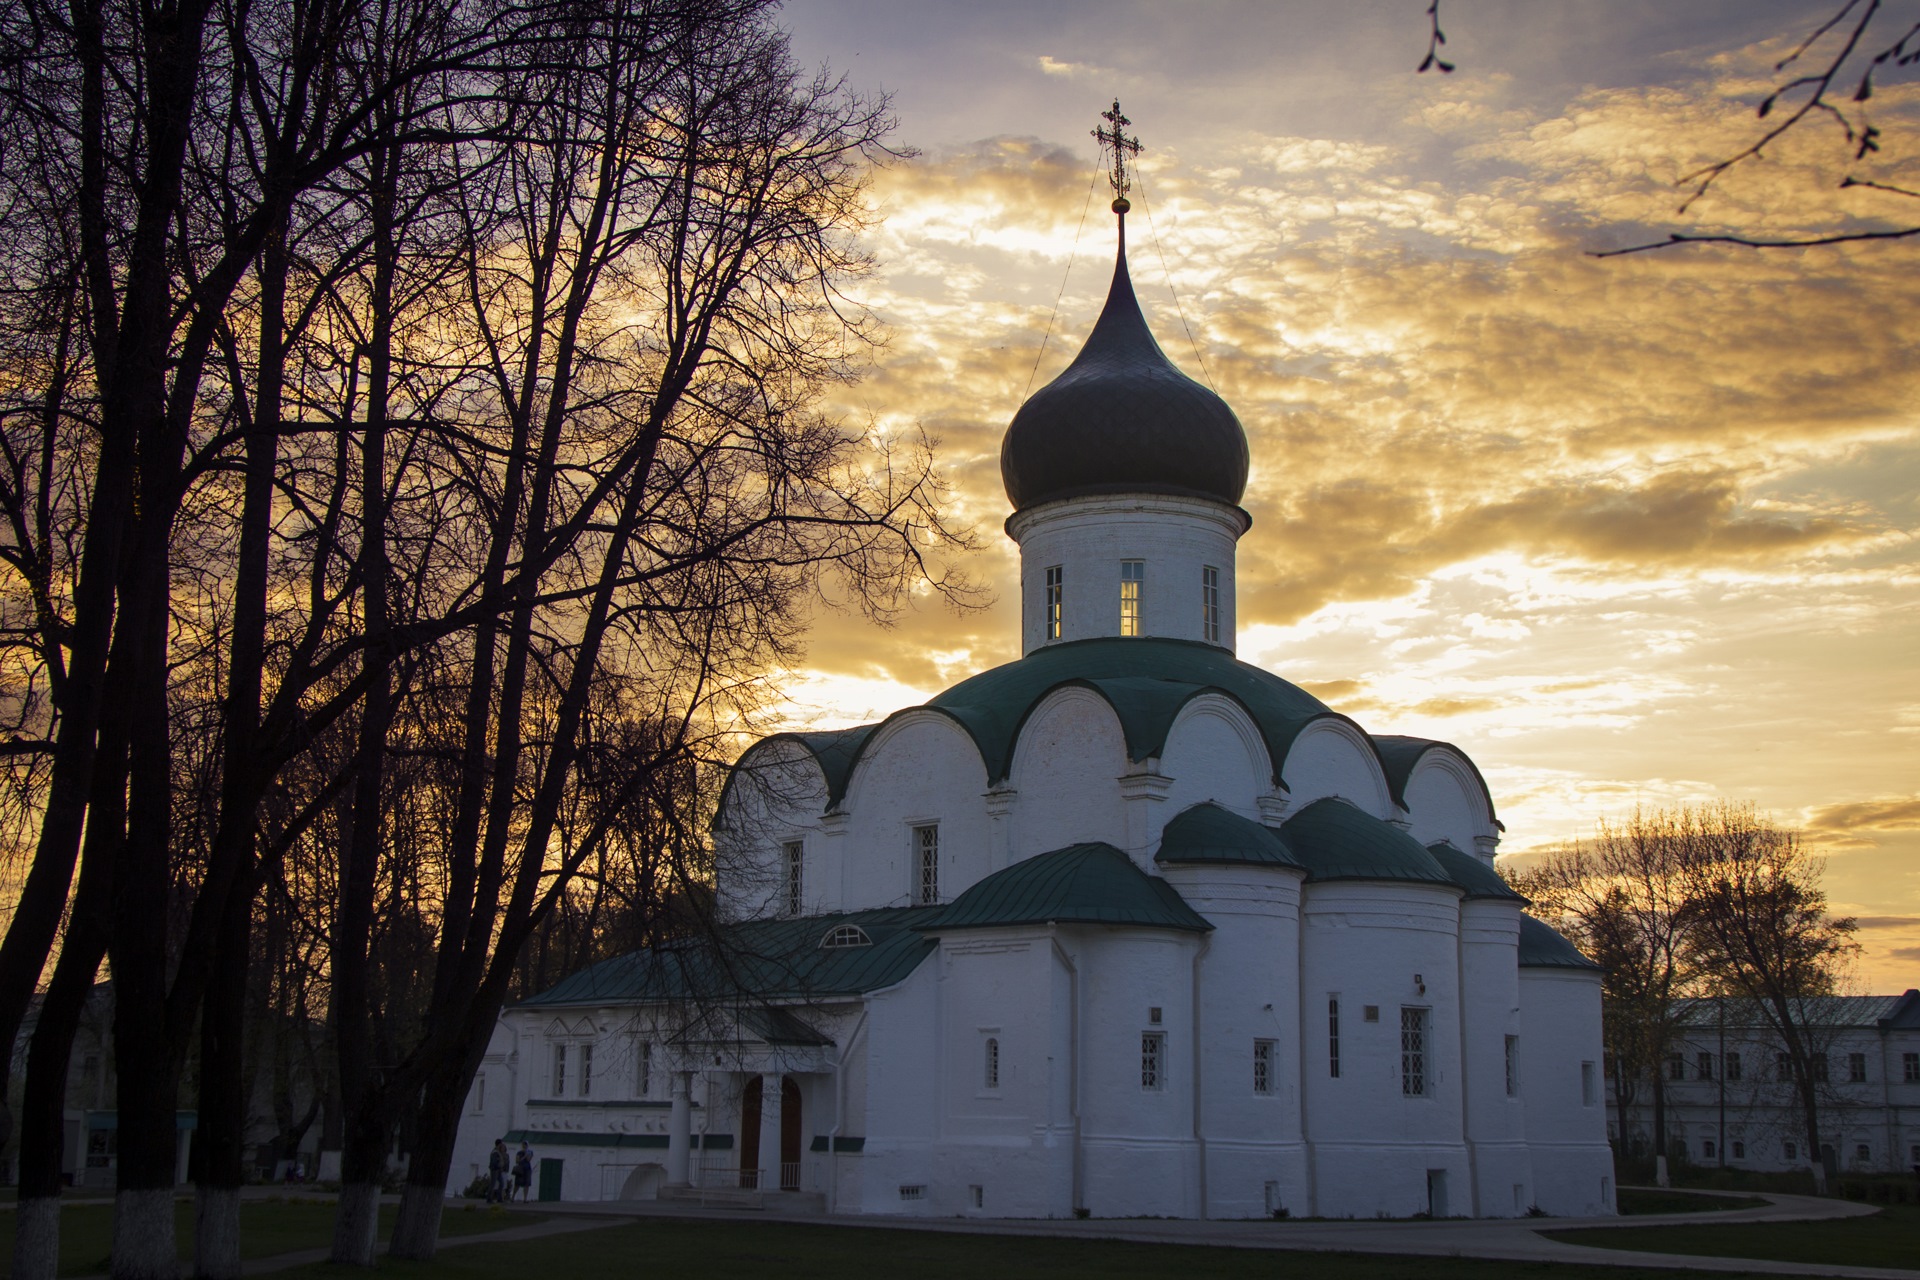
<point>523,1172</point>
<point>497,1189</point>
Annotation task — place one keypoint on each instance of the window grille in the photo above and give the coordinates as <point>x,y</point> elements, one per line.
<point>1863,1153</point>
<point>1153,1047</point>
<point>1819,1068</point>
<point>1210,604</point>
<point>977,1194</point>
<point>1133,577</point>
<point>1910,1068</point>
<point>993,1062</point>
<point>1706,1148</point>
<point>1782,1067</point>
<point>1513,1066</point>
<point>846,935</point>
<point>1263,1067</point>
<point>926,845</point>
<point>1703,1066</point>
<point>1056,602</point>
<point>1413,1051</point>
<point>559,1070</point>
<point>793,852</point>
<point>644,1081</point>
<point>1733,1066</point>
<point>586,1071</point>
<point>1790,1151</point>
<point>1739,1151</point>
<point>914,1191</point>
<point>1333,1038</point>
<point>1856,1068</point>
<point>1676,1066</point>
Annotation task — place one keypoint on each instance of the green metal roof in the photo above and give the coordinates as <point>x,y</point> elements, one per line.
<point>762,959</point>
<point>1146,679</point>
<point>1473,875</point>
<point>1336,841</point>
<point>1208,833</point>
<point>1081,884</point>
<point>1541,947</point>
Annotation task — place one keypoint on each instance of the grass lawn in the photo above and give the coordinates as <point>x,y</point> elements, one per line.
<point>1636,1200</point>
<point>267,1227</point>
<point>1890,1238</point>
<point>753,1251</point>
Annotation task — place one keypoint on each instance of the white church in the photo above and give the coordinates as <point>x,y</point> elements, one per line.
<point>1126,927</point>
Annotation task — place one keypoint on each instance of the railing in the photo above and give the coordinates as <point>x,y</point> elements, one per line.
<point>789,1175</point>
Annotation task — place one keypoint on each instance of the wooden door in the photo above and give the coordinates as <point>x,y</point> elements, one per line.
<point>750,1134</point>
<point>790,1128</point>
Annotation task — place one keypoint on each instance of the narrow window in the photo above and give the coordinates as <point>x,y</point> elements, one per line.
<point>1263,1067</point>
<point>1910,1068</point>
<point>793,853</point>
<point>1413,1051</point>
<point>586,1071</point>
<point>480,1094</point>
<point>1676,1066</point>
<point>1706,1148</point>
<point>1703,1066</point>
<point>914,1191</point>
<point>1863,1153</point>
<point>1153,1047</point>
<point>926,859</point>
<point>1333,1038</point>
<point>993,1062</point>
<point>1739,1150</point>
<point>1586,1084</point>
<point>644,1074</point>
<point>1789,1151</point>
<point>1782,1067</point>
<point>559,1070</point>
<point>1820,1068</point>
<point>977,1195</point>
<point>1857,1068</point>
<point>1513,1066</point>
<point>1733,1066</point>
<point>1210,604</point>
<point>1133,577</point>
<point>1056,600</point>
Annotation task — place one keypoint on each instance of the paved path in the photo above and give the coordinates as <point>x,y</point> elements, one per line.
<point>1509,1239</point>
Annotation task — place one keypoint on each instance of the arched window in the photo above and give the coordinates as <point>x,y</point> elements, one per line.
<point>845,935</point>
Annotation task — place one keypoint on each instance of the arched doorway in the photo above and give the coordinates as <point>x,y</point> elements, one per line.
<point>643,1183</point>
<point>790,1128</point>
<point>750,1135</point>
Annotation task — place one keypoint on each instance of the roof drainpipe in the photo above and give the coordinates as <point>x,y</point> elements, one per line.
<point>1199,1129</point>
<point>840,1110</point>
<point>1073,1056</point>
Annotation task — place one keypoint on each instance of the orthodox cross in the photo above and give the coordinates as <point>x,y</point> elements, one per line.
<point>1114,139</point>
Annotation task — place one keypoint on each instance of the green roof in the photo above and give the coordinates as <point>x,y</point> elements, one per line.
<point>1336,841</point>
<point>1471,874</point>
<point>762,959</point>
<point>1399,754</point>
<point>1208,833</point>
<point>1081,884</point>
<point>1541,947</point>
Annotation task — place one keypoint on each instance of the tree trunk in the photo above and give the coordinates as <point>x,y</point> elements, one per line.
<point>356,1224</point>
<point>1659,1123</point>
<point>36,1232</point>
<point>416,1233</point>
<point>219,1138</point>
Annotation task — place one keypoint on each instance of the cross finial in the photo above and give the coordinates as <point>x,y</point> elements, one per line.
<point>1115,141</point>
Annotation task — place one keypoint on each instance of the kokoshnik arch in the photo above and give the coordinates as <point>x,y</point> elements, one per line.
<point>1126,927</point>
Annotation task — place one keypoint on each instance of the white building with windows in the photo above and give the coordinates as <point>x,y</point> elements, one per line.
<point>1731,1101</point>
<point>1125,927</point>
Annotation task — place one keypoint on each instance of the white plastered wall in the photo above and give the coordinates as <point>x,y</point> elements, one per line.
<point>1496,1120</point>
<point>1445,801</point>
<point>1332,758</point>
<point>1214,752</point>
<point>919,768</point>
<point>1566,1122</point>
<point>777,794</point>
<point>1087,538</point>
<point>1066,769</point>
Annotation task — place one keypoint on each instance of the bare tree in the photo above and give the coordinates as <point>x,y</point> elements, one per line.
<point>1759,927</point>
<point>1623,897</point>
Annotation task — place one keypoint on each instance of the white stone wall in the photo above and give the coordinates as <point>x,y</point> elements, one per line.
<point>1496,1117</point>
<point>1253,1145</point>
<point>1445,801</point>
<point>1331,757</point>
<point>1566,1122</point>
<point>1065,775</point>
<point>1374,1147</point>
<point>1089,537</point>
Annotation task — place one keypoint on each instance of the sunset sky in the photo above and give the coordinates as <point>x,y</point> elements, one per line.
<point>1629,531</point>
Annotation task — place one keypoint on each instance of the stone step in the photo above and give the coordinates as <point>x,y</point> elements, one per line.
<point>745,1198</point>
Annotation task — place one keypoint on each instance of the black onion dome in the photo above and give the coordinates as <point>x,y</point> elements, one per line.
<point>1123,419</point>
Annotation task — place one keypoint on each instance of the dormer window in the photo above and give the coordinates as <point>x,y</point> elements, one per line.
<point>1133,580</point>
<point>845,935</point>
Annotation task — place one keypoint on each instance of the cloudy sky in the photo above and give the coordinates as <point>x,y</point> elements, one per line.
<point>1630,531</point>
